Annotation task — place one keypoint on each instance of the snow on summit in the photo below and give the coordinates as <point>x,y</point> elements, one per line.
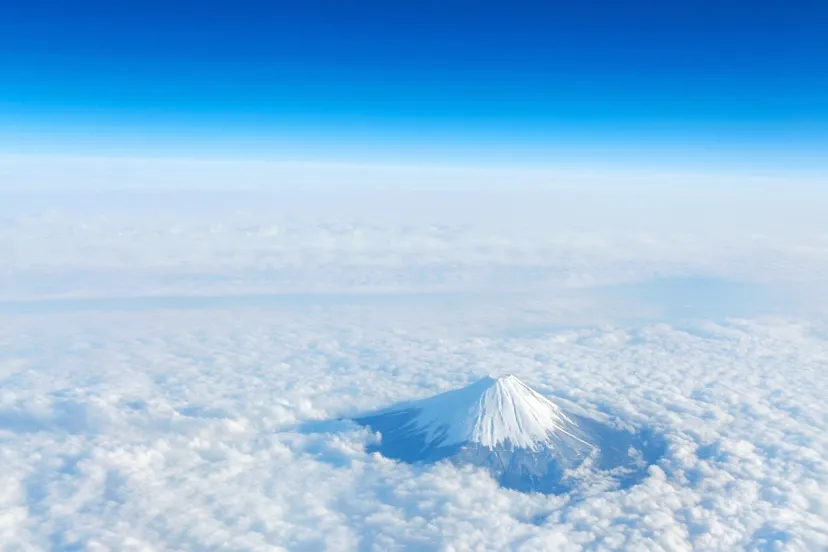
<point>497,413</point>
<point>524,439</point>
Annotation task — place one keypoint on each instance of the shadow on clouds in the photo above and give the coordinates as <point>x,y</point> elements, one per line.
<point>621,459</point>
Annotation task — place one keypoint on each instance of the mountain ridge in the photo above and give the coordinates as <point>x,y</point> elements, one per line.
<point>497,413</point>
<point>524,439</point>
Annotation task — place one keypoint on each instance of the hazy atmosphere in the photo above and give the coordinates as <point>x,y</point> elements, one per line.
<point>382,276</point>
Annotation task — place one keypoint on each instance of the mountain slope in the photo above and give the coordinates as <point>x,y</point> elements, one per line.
<point>525,440</point>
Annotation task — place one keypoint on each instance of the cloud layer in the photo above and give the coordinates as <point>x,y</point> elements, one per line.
<point>167,427</point>
<point>180,430</point>
<point>185,244</point>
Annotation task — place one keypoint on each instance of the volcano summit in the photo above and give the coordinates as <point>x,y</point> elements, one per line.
<point>527,442</point>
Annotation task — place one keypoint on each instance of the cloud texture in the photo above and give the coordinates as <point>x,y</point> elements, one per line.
<point>169,428</point>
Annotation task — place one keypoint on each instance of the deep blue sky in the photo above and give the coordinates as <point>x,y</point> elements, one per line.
<point>683,81</point>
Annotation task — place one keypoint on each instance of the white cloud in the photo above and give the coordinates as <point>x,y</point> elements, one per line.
<point>179,429</point>
<point>125,245</point>
<point>169,427</point>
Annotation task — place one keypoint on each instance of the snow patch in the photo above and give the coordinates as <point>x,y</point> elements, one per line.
<point>497,413</point>
<point>526,441</point>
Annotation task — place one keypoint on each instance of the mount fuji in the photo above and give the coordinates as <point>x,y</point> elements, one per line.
<point>527,442</point>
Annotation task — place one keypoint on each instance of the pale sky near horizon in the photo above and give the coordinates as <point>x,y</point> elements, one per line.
<point>64,173</point>
<point>723,89</point>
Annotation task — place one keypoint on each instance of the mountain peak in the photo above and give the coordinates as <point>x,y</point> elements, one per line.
<point>496,413</point>
<point>524,439</point>
<point>501,378</point>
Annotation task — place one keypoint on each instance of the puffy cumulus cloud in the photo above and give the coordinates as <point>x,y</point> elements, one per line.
<point>213,430</point>
<point>134,423</point>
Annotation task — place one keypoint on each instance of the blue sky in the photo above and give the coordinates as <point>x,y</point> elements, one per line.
<point>692,85</point>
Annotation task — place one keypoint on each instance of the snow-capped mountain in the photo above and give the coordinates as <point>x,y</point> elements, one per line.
<point>501,413</point>
<point>525,440</point>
